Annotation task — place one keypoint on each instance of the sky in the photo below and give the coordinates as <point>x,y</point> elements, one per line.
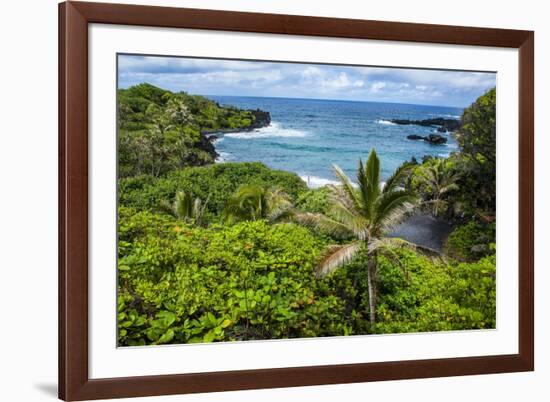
<point>316,81</point>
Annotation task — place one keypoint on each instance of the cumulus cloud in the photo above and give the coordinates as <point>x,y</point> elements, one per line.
<point>253,78</point>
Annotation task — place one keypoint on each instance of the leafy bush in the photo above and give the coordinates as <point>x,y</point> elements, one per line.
<point>471,241</point>
<point>477,140</point>
<point>248,281</point>
<point>180,284</point>
<point>434,296</point>
<point>214,182</point>
<point>160,131</point>
<point>314,201</point>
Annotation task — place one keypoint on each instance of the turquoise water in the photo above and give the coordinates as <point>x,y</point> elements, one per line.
<point>307,136</point>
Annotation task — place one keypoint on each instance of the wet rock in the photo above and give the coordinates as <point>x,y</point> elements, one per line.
<point>434,139</point>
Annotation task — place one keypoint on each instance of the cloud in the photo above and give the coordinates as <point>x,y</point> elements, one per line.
<point>377,86</point>
<point>252,78</point>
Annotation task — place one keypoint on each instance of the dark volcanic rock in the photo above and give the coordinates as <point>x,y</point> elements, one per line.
<point>434,139</point>
<point>261,119</point>
<point>442,124</point>
<point>207,145</point>
<point>415,137</point>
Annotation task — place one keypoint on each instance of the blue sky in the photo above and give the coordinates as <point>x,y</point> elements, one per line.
<point>290,80</point>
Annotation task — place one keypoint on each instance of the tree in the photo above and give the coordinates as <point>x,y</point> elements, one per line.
<point>252,202</point>
<point>477,140</point>
<point>439,180</point>
<point>178,112</point>
<point>186,208</point>
<point>363,214</point>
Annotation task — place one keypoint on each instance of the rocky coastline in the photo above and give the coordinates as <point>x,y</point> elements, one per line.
<point>435,139</point>
<point>261,119</point>
<point>443,125</point>
<point>209,137</point>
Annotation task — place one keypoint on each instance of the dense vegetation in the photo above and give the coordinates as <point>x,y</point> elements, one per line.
<point>237,251</point>
<point>160,131</point>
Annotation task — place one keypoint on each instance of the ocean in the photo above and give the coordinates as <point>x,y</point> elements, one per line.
<point>307,136</point>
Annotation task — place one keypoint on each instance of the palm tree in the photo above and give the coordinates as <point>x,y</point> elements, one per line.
<point>439,180</point>
<point>186,208</point>
<point>178,112</point>
<point>251,202</point>
<point>363,213</point>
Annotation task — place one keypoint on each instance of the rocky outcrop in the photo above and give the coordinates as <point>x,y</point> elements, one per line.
<point>209,137</point>
<point>207,145</point>
<point>443,125</point>
<point>261,119</point>
<point>434,139</point>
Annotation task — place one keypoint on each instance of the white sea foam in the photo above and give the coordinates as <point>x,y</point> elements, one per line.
<point>385,122</point>
<point>224,157</point>
<point>316,182</point>
<point>450,116</point>
<point>273,130</point>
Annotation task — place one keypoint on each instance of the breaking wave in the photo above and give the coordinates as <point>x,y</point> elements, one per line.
<point>273,130</point>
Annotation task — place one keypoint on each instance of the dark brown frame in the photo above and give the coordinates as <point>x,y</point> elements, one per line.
<point>74,17</point>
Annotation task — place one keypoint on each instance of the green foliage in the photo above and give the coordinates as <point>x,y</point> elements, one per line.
<point>186,274</point>
<point>471,241</point>
<point>186,208</point>
<point>217,183</point>
<point>435,180</point>
<point>252,280</point>
<point>434,296</point>
<point>314,201</point>
<point>477,139</point>
<point>251,202</point>
<point>363,215</point>
<point>160,131</point>
<point>247,281</point>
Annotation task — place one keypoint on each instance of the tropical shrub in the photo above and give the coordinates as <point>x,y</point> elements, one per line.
<point>247,281</point>
<point>477,140</point>
<point>160,131</point>
<point>315,201</point>
<point>471,241</point>
<point>434,296</point>
<point>217,183</point>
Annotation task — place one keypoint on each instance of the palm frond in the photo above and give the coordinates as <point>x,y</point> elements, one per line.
<point>183,205</point>
<point>392,207</point>
<point>395,242</point>
<point>345,192</point>
<point>368,177</point>
<point>391,255</point>
<point>336,256</point>
<point>167,208</point>
<point>372,170</point>
<point>324,224</point>
<point>281,215</point>
<point>354,221</point>
<point>248,203</point>
<point>398,177</point>
<point>449,187</point>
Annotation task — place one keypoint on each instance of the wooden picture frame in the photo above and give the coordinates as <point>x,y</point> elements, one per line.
<point>74,381</point>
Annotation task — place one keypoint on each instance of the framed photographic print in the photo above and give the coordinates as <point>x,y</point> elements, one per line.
<point>260,200</point>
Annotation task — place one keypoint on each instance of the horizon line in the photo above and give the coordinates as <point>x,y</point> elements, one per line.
<point>299,98</point>
<point>332,100</point>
